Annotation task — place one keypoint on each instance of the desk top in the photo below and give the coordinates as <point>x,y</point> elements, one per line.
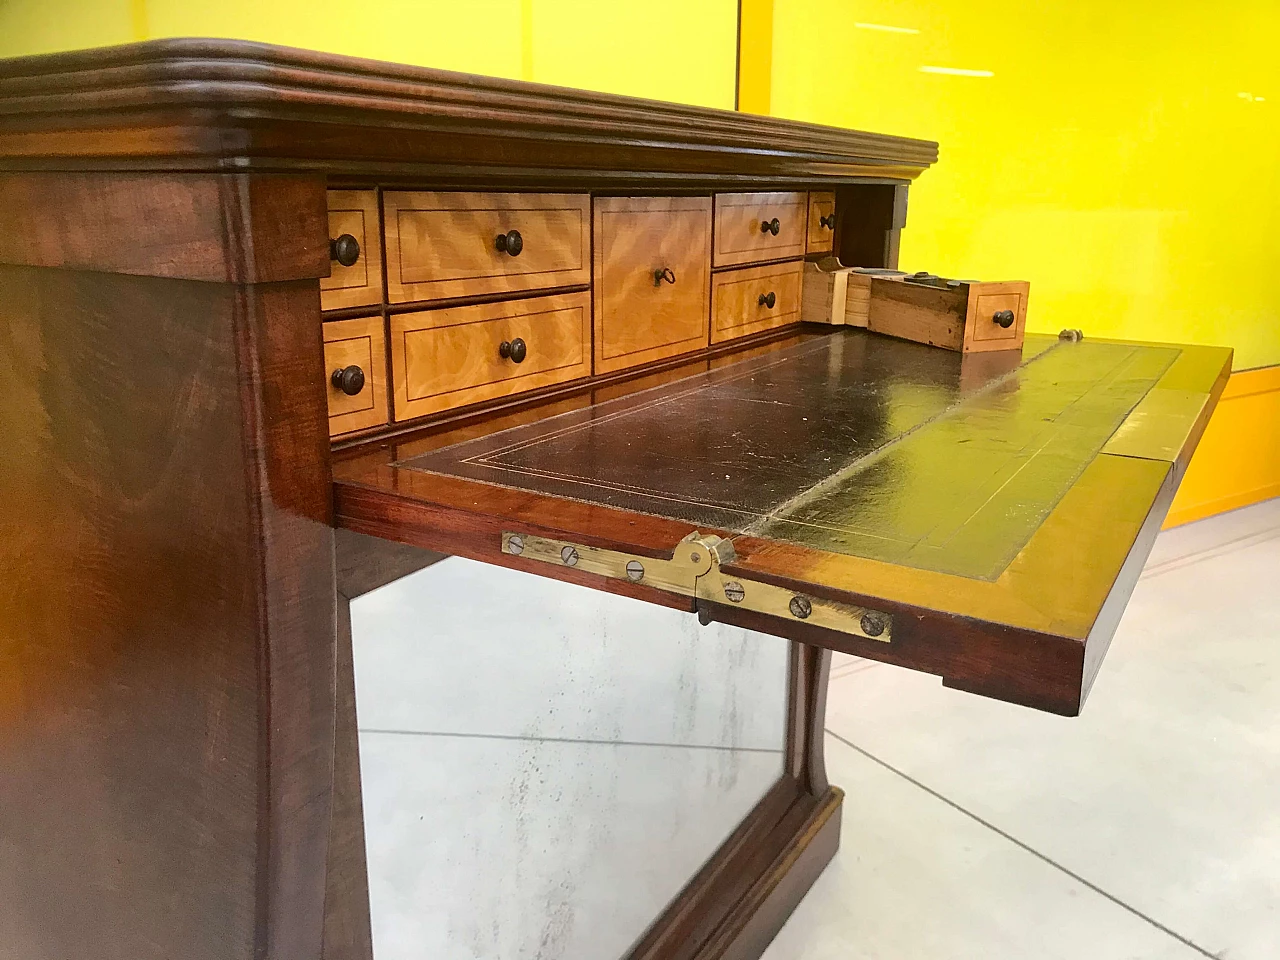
<point>1005,494</point>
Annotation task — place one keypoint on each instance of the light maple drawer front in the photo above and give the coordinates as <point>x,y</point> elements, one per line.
<point>355,359</point>
<point>355,251</point>
<point>652,262</point>
<point>460,355</point>
<point>822,222</point>
<point>751,227</point>
<point>754,299</point>
<point>445,245</point>
<point>992,307</point>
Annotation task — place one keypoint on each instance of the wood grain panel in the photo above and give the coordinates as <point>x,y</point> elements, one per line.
<point>447,358</point>
<point>736,307</point>
<point>360,342</point>
<point>442,245</point>
<point>639,319</point>
<point>985,299</point>
<point>916,312</point>
<point>166,679</point>
<point>181,226</point>
<point>739,237</point>
<point>821,236</point>
<point>359,285</point>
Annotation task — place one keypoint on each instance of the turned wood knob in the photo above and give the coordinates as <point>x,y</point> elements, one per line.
<point>514,350</point>
<point>770,226</point>
<point>345,250</point>
<point>350,380</point>
<point>510,243</point>
<point>1004,318</point>
<point>828,221</point>
<point>767,300</point>
<point>666,273</point>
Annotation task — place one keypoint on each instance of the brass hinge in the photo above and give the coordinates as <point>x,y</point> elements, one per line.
<point>694,571</point>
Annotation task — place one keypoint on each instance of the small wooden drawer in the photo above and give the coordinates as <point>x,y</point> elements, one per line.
<point>355,343</point>
<point>834,294</point>
<point>447,358</point>
<point>754,299</point>
<point>822,222</point>
<point>446,245</point>
<point>652,264</point>
<point>755,227</point>
<point>969,317</point>
<point>353,216</point>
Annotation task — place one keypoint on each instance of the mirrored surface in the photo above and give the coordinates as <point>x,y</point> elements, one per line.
<point>544,766</point>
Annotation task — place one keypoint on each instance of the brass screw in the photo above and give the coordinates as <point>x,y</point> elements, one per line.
<point>800,607</point>
<point>515,544</point>
<point>873,624</point>
<point>734,591</point>
<point>569,556</point>
<point>635,571</point>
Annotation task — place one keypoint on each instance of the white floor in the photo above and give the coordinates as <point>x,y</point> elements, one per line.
<point>1149,827</point>
<point>545,766</point>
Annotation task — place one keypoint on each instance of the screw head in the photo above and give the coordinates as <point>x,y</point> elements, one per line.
<point>873,624</point>
<point>800,607</point>
<point>635,571</point>
<point>734,591</point>
<point>696,557</point>
<point>569,556</point>
<point>515,544</point>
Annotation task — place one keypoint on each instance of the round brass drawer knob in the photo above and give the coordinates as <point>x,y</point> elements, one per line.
<point>345,250</point>
<point>1004,318</point>
<point>767,300</point>
<point>350,380</point>
<point>828,221</point>
<point>770,226</point>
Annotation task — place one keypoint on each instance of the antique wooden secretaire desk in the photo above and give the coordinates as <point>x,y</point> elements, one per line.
<point>280,330</point>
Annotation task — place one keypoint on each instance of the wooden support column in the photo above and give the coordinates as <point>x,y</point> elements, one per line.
<point>167,634</point>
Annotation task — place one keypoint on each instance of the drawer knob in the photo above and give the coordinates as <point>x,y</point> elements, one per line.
<point>1003,318</point>
<point>666,273</point>
<point>510,243</point>
<point>767,300</point>
<point>346,250</point>
<point>770,226</point>
<point>514,350</point>
<point>828,221</point>
<point>350,380</point>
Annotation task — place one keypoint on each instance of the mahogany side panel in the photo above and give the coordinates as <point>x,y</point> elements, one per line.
<point>166,668</point>
<point>348,931</point>
<point>225,228</point>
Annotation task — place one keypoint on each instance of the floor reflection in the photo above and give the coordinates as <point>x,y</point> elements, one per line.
<point>545,766</point>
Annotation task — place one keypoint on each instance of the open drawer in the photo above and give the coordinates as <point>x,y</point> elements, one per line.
<point>983,518</point>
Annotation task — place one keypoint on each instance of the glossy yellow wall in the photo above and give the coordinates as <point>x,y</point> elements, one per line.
<point>1123,157</point>
<point>680,50</point>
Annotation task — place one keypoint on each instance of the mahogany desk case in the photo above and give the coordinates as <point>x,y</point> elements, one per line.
<point>282,330</point>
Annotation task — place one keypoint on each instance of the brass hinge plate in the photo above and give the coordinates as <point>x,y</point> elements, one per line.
<point>694,571</point>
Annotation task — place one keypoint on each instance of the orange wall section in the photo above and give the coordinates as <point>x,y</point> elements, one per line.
<point>1238,460</point>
